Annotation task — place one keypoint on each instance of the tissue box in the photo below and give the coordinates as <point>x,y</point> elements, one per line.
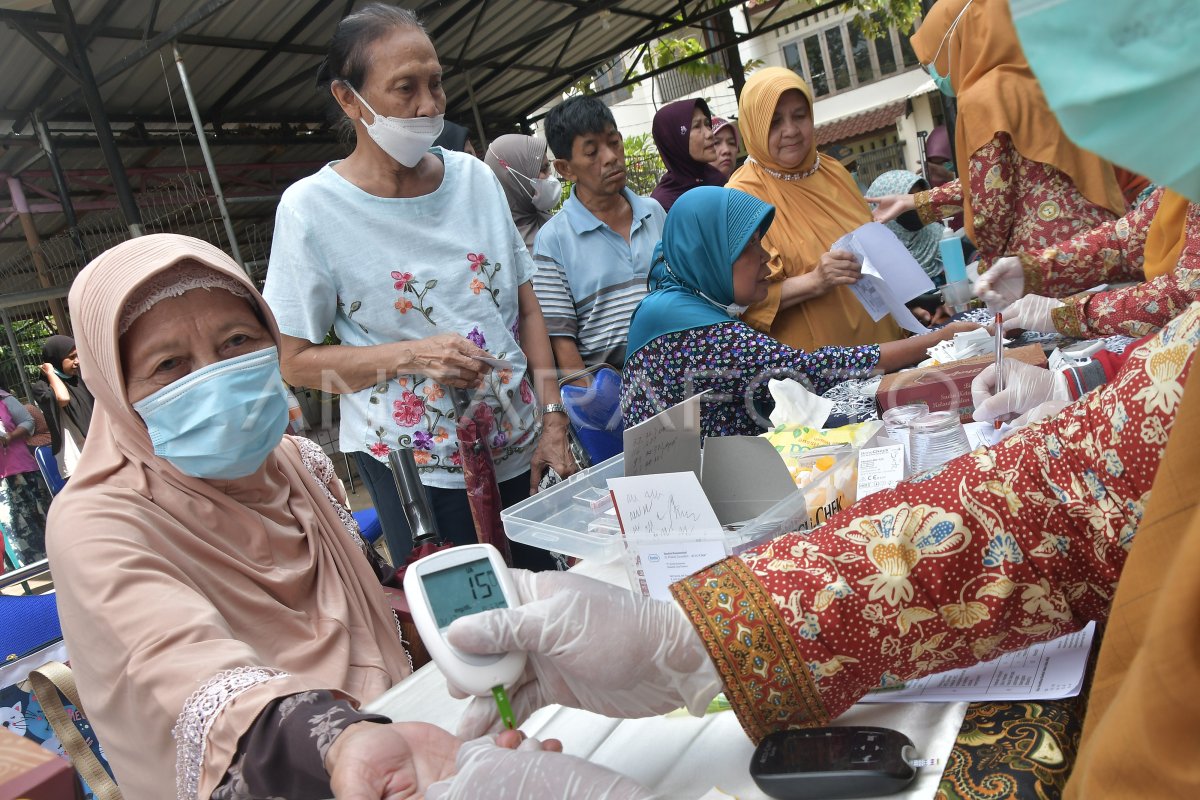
<point>946,387</point>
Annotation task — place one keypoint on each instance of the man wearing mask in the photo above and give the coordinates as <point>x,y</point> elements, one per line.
<point>593,257</point>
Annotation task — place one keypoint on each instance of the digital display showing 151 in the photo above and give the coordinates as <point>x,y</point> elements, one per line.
<point>463,590</point>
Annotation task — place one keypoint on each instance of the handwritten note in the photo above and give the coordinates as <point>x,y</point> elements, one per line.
<point>668,507</point>
<point>667,442</point>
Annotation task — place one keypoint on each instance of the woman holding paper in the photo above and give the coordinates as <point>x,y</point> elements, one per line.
<point>685,336</point>
<point>808,302</point>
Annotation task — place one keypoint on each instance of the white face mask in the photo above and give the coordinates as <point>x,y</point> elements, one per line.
<point>405,140</point>
<point>546,191</point>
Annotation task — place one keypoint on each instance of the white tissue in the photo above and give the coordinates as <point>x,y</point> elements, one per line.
<point>795,405</point>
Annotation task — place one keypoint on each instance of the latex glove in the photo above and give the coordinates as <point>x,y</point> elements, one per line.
<point>1003,284</point>
<point>1025,386</point>
<point>1031,313</point>
<point>591,645</point>
<point>485,770</point>
<point>1050,408</point>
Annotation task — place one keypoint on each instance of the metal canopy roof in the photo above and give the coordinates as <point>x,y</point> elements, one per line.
<point>255,61</point>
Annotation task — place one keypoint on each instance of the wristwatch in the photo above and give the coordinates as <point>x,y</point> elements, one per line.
<point>551,408</point>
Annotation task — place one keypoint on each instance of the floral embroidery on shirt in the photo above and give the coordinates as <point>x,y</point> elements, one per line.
<point>406,282</point>
<point>479,263</point>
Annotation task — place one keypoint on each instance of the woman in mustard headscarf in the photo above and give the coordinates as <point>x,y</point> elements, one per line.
<point>1022,184</point>
<point>809,304</point>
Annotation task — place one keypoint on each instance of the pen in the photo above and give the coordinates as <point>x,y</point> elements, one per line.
<point>999,360</point>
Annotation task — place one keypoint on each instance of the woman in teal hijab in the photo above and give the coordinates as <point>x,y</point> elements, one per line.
<point>685,336</point>
<point>919,239</point>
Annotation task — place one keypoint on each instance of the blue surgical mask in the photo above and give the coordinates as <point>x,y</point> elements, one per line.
<point>943,81</point>
<point>1121,77</point>
<point>222,421</point>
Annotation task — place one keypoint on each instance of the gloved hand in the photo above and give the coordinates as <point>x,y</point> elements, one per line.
<point>1003,284</point>
<point>592,646</point>
<point>485,770</point>
<point>1025,386</point>
<point>1031,313</point>
<point>1041,411</point>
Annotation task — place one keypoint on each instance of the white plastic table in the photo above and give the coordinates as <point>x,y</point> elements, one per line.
<point>678,756</point>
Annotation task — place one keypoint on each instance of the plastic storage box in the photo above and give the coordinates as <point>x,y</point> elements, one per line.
<point>576,517</point>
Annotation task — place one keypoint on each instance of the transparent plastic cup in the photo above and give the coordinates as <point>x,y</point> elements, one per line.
<point>936,438</point>
<point>895,423</point>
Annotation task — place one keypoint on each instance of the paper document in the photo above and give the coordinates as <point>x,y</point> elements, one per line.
<point>890,275</point>
<point>1047,671</point>
<point>667,442</point>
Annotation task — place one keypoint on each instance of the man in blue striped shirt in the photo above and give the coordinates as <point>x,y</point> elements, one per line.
<point>593,256</point>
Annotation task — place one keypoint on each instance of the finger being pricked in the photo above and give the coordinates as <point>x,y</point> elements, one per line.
<point>518,740</point>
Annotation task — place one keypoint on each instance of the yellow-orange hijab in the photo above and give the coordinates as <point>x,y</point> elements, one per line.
<point>810,215</point>
<point>1164,242</point>
<point>996,92</point>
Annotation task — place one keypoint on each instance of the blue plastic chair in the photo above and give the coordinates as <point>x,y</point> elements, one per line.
<point>369,526</point>
<point>46,462</point>
<point>27,623</point>
<point>595,411</point>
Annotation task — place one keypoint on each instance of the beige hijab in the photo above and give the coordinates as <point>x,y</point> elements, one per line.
<point>239,591</point>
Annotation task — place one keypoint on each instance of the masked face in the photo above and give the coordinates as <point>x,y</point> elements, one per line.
<point>403,82</point>
<point>543,191</point>
<point>203,373</point>
<point>943,81</point>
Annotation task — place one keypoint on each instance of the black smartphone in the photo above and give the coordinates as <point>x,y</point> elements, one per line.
<point>834,762</point>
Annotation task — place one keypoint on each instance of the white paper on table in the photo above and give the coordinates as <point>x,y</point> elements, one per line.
<point>985,434</point>
<point>879,468</point>
<point>890,275</point>
<point>1046,671</point>
<point>664,564</point>
<point>667,507</point>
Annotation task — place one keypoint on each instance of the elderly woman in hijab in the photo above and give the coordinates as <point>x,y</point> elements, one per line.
<point>809,303</point>
<point>224,617</point>
<point>727,143</point>
<point>64,399</point>
<point>920,239</point>
<point>683,134</point>
<point>685,336</point>
<point>523,170</point>
<point>1022,183</point>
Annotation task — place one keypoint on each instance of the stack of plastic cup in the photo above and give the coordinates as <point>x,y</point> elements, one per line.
<point>895,423</point>
<point>936,438</point>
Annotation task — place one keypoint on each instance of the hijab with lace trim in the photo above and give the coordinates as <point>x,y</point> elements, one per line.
<point>188,605</point>
<point>811,213</point>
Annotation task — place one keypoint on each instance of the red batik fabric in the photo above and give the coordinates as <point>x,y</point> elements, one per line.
<point>1017,205</point>
<point>997,550</point>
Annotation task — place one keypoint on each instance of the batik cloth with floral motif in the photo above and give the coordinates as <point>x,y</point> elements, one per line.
<point>386,270</point>
<point>992,552</point>
<point>1112,253</point>
<point>1018,205</point>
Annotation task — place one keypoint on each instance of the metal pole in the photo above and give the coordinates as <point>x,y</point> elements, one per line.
<point>95,107</point>
<point>60,183</point>
<point>12,342</point>
<point>208,160</point>
<point>483,142</point>
<point>21,205</point>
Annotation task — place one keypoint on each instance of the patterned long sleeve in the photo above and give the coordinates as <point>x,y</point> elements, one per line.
<point>934,205</point>
<point>997,550</point>
<point>1109,253</point>
<point>283,753</point>
<point>1144,307</point>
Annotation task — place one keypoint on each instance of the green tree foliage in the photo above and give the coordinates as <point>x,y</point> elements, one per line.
<point>876,16</point>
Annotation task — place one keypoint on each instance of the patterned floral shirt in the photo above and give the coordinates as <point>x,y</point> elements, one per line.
<point>998,549</point>
<point>381,269</point>
<point>1112,253</point>
<point>1018,205</point>
<point>735,362</point>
